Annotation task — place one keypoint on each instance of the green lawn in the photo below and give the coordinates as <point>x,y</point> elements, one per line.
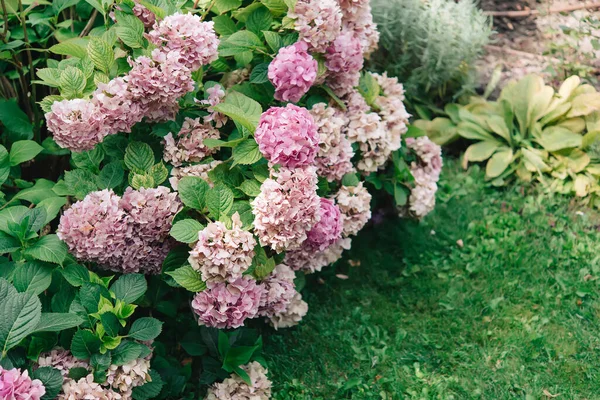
<point>514,313</point>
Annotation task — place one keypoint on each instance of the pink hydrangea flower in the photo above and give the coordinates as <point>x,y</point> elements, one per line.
<point>216,94</point>
<point>195,41</point>
<point>292,315</point>
<point>115,102</point>
<point>309,260</point>
<point>345,54</point>
<point>286,208</point>
<point>422,197</point>
<point>228,305</point>
<point>235,388</point>
<point>335,150</point>
<point>354,203</point>
<point>358,18</point>
<point>60,359</point>
<point>292,72</point>
<point>329,228</point>
<point>86,389</point>
<point>17,385</point>
<point>391,108</point>
<point>199,170</point>
<point>189,146</point>
<point>287,136</point>
<point>223,254</point>
<point>318,22</point>
<point>279,291</point>
<point>77,124</point>
<point>145,15</point>
<point>429,153</point>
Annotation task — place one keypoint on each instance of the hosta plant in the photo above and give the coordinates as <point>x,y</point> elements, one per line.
<point>532,132</point>
<point>211,153</point>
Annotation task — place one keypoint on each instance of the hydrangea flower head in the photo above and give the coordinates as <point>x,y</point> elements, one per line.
<point>189,145</point>
<point>292,315</point>
<point>279,290</point>
<point>309,260</point>
<point>199,170</point>
<point>85,389</point>
<point>355,204</point>
<point>127,376</point>
<point>17,385</point>
<point>318,22</point>
<point>234,387</point>
<point>228,305</point>
<point>194,40</point>
<point>77,124</point>
<point>329,228</point>
<point>60,359</point>
<point>288,136</point>
<point>292,72</point>
<point>115,102</point>
<point>286,208</point>
<point>223,254</point>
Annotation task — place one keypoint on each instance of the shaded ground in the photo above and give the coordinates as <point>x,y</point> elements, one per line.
<point>512,314</point>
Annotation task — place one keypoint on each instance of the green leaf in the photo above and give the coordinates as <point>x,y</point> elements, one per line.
<point>159,173</point>
<point>150,389</point>
<point>57,322</point>
<point>369,88</point>
<point>250,188</point>
<point>129,287</point>
<point>127,351</point>
<point>32,277</point>
<point>130,30</point>
<point>498,163</point>
<point>246,153</point>
<point>111,176</point>
<point>259,20</point>
<point>350,179</point>
<point>59,5</point>
<point>274,41</point>
<point>188,278</point>
<point>219,200</point>
<point>277,7</point>
<point>90,159</point>
<point>14,119</point>
<point>75,274</point>
<point>52,380</point>
<point>24,150</point>
<point>8,244</point>
<point>192,191</point>
<point>84,344</point>
<point>80,182</point>
<point>557,138</point>
<point>72,47</point>
<point>4,164</point>
<point>239,42</point>
<point>222,6</point>
<point>52,207</point>
<point>146,328</point>
<point>186,230</point>
<point>481,151</point>
<point>19,315</point>
<point>110,323</point>
<point>72,82</point>
<point>101,53</point>
<point>224,25</point>
<point>259,74</point>
<point>37,193</point>
<point>241,109</point>
<point>50,76</point>
<point>142,181</point>
<point>6,290</point>
<point>139,157</point>
<point>49,248</point>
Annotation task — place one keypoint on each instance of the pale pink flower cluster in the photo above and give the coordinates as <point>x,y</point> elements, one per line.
<point>199,170</point>
<point>286,208</point>
<point>318,22</point>
<point>287,136</point>
<point>123,235</point>
<point>76,124</point>
<point>222,254</point>
<point>335,150</point>
<point>234,387</point>
<point>358,18</point>
<point>228,305</point>
<point>216,94</point>
<point>17,385</point>
<point>86,389</point>
<point>292,72</point>
<point>309,260</point>
<point>146,16</point>
<point>329,228</point>
<point>189,146</point>
<point>355,204</point>
<point>124,378</point>
<point>391,108</point>
<point>195,41</point>
<point>426,173</point>
<point>60,359</point>
<point>292,315</point>
<point>279,291</point>
<point>344,60</point>
<point>151,89</point>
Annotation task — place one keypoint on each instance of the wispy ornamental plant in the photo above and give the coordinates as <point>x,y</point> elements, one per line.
<point>430,45</point>
<point>217,151</point>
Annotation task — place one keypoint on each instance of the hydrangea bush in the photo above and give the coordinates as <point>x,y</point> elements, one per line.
<point>216,152</point>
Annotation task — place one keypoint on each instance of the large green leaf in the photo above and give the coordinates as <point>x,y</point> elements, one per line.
<point>84,344</point>
<point>480,151</point>
<point>24,150</point>
<point>33,277</point>
<point>40,191</point>
<point>186,230</point>
<point>130,287</point>
<point>145,328</point>
<point>558,138</point>
<point>56,322</point>
<point>498,163</point>
<point>219,200</point>
<point>241,109</point>
<point>473,131</point>
<point>49,248</point>
<point>188,278</point>
<point>14,119</point>
<point>19,315</point>
<point>192,191</point>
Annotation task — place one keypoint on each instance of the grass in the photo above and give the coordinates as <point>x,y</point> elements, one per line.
<point>511,314</point>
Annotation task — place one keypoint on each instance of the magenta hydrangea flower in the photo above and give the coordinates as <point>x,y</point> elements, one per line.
<point>333,160</point>
<point>17,385</point>
<point>279,291</point>
<point>195,41</point>
<point>292,72</point>
<point>318,22</point>
<point>223,254</point>
<point>95,229</point>
<point>286,208</point>
<point>116,103</point>
<point>288,136</point>
<point>228,305</point>
<point>77,124</point>
<point>189,145</point>
<point>329,228</point>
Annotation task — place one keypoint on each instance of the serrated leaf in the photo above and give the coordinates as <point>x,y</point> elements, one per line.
<point>239,42</point>
<point>50,76</point>
<point>145,328</point>
<point>219,200</point>
<point>110,323</point>
<point>111,176</point>
<point>250,188</point>
<point>8,244</point>
<point>186,230</point>
<point>192,191</point>
<point>130,30</point>
<point>188,278</point>
<point>32,277</point>
<point>159,173</point>
<point>101,53</point>
<point>130,287</point>
<point>49,248</point>
<point>75,274</point>
<point>52,380</point>
<point>259,74</point>
<point>127,351</point>
<point>139,157</point>
<point>259,20</point>
<point>84,344</point>
<point>72,47</point>
<point>80,182</point>
<point>150,389</point>
<point>246,153</point>
<point>72,82</point>
<point>19,316</point>
<point>52,207</point>
<point>142,181</point>
<point>57,322</point>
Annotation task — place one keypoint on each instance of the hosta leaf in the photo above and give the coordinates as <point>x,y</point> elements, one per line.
<point>473,131</point>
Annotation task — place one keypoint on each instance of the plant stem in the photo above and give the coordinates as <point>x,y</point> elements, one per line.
<point>90,24</point>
